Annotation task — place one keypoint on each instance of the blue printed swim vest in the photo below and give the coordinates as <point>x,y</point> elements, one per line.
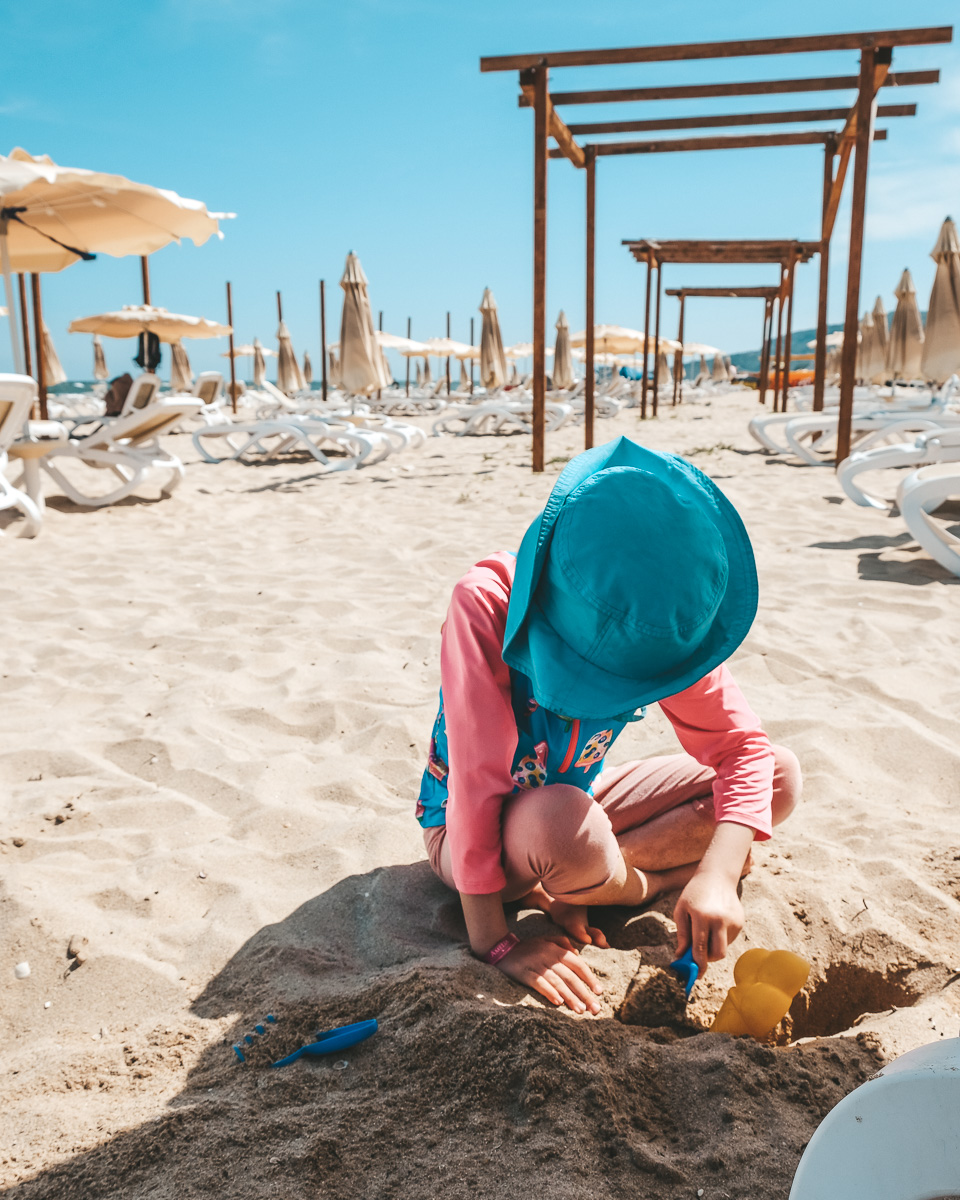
<point>550,749</point>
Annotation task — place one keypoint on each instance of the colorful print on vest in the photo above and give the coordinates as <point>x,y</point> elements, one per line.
<point>550,749</point>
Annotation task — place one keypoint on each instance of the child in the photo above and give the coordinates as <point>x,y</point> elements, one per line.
<point>634,585</point>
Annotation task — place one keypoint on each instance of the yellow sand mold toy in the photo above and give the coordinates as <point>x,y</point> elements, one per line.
<point>766,983</point>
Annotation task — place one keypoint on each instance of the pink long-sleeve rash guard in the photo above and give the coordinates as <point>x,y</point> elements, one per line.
<point>712,721</point>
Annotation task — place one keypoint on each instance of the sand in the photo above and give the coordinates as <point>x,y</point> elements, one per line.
<point>216,710</point>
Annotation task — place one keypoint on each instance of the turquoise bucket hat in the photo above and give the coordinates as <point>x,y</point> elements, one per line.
<point>636,580</point>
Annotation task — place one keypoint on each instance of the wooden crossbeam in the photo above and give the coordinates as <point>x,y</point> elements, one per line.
<point>741,293</point>
<point>556,127</point>
<point>726,119</point>
<point>810,137</point>
<point>847,137</point>
<point>741,48</point>
<point>719,250</point>
<point>757,87</point>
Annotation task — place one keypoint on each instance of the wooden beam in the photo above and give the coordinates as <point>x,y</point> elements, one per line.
<point>233,359</point>
<point>656,343</point>
<point>729,119</point>
<point>588,398</point>
<point>541,125</point>
<point>847,137</point>
<point>820,357</point>
<point>758,87</point>
<point>734,293</point>
<point>865,99</point>
<point>556,127</point>
<point>678,356</point>
<point>145,277</point>
<point>646,339</point>
<point>778,361</point>
<point>785,391</point>
<point>740,48</point>
<point>720,250</point>
<point>323,342</point>
<point>763,380</point>
<point>744,141</point>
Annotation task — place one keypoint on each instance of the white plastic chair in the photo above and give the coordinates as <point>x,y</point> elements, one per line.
<point>919,495</point>
<point>896,1137</point>
<point>17,396</point>
<point>934,446</point>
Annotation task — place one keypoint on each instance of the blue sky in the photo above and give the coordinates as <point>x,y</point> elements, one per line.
<point>368,126</point>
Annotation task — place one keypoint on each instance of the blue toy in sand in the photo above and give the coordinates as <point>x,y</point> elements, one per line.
<point>687,969</point>
<point>333,1040</point>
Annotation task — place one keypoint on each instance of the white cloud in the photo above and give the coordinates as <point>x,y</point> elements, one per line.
<point>912,199</point>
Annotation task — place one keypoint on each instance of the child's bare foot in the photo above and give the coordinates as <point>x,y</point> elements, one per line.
<point>571,918</point>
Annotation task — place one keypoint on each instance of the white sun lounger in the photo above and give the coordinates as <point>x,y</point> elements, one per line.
<point>254,441</point>
<point>937,445</point>
<point>17,396</point>
<point>919,496</point>
<point>499,416</point>
<point>128,447</point>
<point>896,1137</point>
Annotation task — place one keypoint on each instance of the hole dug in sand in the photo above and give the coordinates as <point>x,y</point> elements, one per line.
<point>846,992</point>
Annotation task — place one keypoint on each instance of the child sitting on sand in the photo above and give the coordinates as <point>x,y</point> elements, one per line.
<point>634,585</point>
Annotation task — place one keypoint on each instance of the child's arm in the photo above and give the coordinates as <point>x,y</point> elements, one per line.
<point>709,914</point>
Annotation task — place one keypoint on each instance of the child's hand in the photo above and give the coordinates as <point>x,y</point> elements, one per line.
<point>551,967</point>
<point>709,917</point>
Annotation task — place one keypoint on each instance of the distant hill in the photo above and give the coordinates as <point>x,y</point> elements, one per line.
<point>749,360</point>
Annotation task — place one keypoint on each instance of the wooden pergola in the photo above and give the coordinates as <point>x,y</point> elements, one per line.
<point>854,137</point>
<point>656,253</point>
<point>768,295</point>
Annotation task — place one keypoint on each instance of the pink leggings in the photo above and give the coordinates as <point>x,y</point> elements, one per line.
<point>567,840</point>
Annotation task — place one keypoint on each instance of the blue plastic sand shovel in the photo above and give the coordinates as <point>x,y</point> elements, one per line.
<point>333,1040</point>
<point>687,969</point>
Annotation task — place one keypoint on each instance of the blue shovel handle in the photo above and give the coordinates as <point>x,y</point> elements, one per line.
<point>333,1040</point>
<point>687,969</point>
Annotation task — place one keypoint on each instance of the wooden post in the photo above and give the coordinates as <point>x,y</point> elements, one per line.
<point>407,356</point>
<point>38,343</point>
<point>778,359</point>
<point>471,358</point>
<point>25,325</point>
<point>789,334</point>
<point>765,350</point>
<point>145,277</point>
<point>656,342</point>
<point>233,361</point>
<point>448,356</point>
<point>678,358</point>
<point>646,341</point>
<point>279,307</point>
<point>380,348</point>
<point>589,380</point>
<point>820,353</point>
<point>540,124</point>
<point>848,361</point>
<point>323,338</point>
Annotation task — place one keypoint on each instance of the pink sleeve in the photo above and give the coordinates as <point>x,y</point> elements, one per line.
<point>719,729</point>
<point>481,728</point>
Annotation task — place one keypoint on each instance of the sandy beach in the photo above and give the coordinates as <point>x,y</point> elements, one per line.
<point>216,713</point>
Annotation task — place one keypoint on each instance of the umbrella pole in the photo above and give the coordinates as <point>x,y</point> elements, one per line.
<point>540,134</point>
<point>279,307</point>
<point>588,393</point>
<point>471,356</point>
<point>379,347</point>
<point>38,343</point>
<point>820,353</point>
<point>8,288</point>
<point>765,349</point>
<point>407,357</point>
<point>778,359</point>
<point>145,277</point>
<point>646,326</point>
<point>323,336</point>
<point>656,341</point>
<point>448,356</point>
<point>25,324</point>
<point>233,361</point>
<point>678,357</point>
<point>788,337</point>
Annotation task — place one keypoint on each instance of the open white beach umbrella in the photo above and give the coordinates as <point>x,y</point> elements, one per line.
<point>612,339</point>
<point>134,319</point>
<point>289,375</point>
<point>692,349</point>
<point>881,330</point>
<point>307,368</point>
<point>941,345</point>
<point>100,371</point>
<point>181,374</point>
<point>563,376</point>
<point>493,363</point>
<point>361,362</point>
<point>905,345</point>
<point>52,367</point>
<point>53,216</point>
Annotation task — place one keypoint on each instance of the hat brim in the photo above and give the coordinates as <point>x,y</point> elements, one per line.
<point>562,680</point>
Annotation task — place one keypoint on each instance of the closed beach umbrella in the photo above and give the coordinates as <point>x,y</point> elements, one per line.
<point>881,331</point>
<point>419,376</point>
<point>289,375</point>
<point>100,371</point>
<point>427,377</point>
<point>562,361</point>
<point>181,376</point>
<point>464,377</point>
<point>941,345</point>
<point>333,368</point>
<point>53,369</point>
<point>259,364</point>
<point>719,372</point>
<point>307,368</point>
<point>493,364</point>
<point>905,346</point>
<point>361,361</point>
<point>665,374</point>
<point>872,358</point>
